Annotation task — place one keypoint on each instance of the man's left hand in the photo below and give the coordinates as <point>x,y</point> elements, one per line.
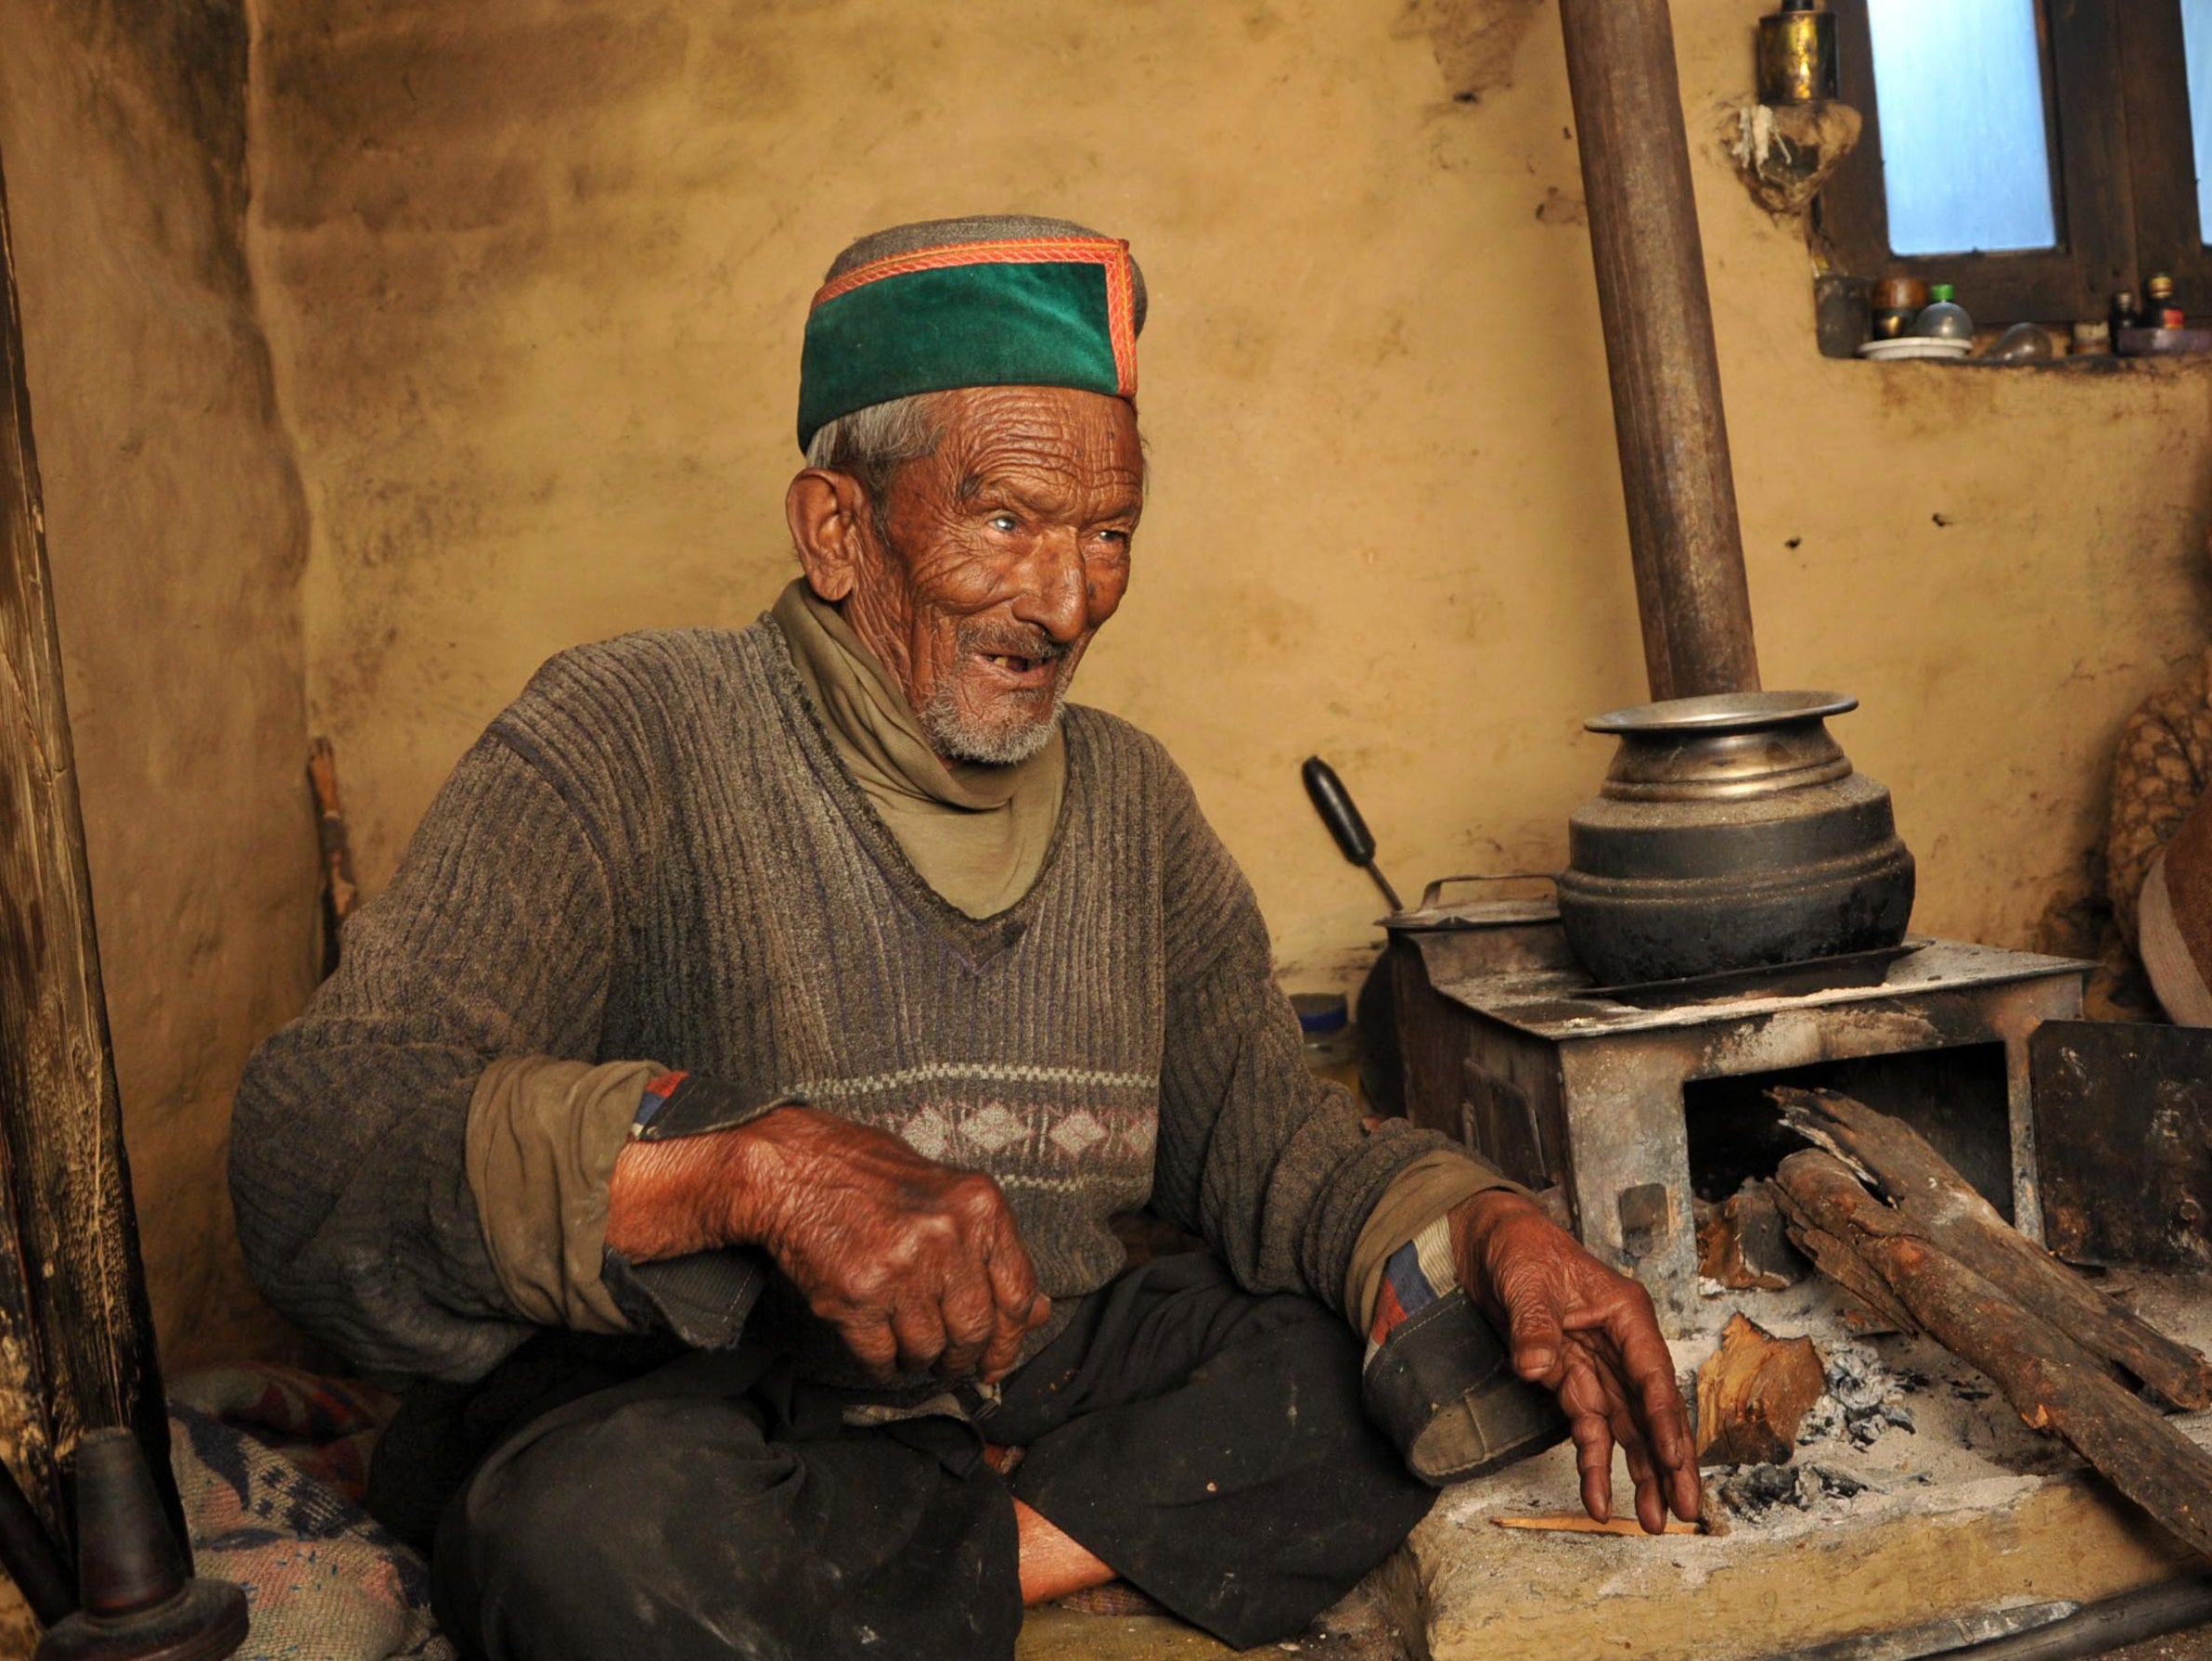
<point>1588,1335</point>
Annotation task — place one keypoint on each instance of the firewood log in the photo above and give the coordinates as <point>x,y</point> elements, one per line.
<point>1903,1170</point>
<point>2055,1385</point>
<point>1753,1393</point>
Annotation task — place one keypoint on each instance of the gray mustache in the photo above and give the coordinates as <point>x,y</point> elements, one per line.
<point>1039,645</point>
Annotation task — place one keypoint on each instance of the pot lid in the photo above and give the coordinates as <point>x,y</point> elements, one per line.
<point>1724,712</point>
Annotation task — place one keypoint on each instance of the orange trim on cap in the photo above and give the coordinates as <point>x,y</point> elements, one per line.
<point>1111,252</point>
<point>1121,319</point>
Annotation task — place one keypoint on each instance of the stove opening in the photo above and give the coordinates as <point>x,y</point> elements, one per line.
<point>1955,1097</point>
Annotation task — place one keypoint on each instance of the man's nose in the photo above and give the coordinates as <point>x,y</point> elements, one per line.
<point>1052,594</point>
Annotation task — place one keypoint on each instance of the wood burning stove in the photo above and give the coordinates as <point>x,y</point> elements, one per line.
<point>1632,1100</point>
<point>1625,1097</point>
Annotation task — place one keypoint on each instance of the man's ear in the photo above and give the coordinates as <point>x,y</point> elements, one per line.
<point>826,512</point>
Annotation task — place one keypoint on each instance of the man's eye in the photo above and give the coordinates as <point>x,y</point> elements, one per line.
<point>1005,522</point>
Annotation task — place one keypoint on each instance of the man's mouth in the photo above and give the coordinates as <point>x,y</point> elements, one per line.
<point>1024,661</point>
<point>1019,671</point>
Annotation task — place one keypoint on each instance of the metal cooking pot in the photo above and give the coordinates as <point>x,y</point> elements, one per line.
<point>1731,832</point>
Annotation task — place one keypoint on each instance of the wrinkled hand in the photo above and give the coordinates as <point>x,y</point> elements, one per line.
<point>1588,1335</point>
<point>918,1265</point>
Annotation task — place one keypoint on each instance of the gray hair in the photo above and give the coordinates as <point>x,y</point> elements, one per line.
<point>872,444</point>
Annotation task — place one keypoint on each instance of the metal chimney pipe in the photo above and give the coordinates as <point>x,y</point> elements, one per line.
<point>1683,537</point>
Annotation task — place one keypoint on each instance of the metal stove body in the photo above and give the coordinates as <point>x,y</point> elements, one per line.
<point>1631,1102</point>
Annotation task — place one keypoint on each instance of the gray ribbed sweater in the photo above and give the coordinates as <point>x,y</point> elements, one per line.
<point>654,853</point>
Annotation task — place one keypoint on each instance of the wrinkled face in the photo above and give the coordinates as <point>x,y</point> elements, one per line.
<point>1000,556</point>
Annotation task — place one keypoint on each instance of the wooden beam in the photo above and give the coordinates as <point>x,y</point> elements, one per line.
<point>1683,535</point>
<point>72,1291</point>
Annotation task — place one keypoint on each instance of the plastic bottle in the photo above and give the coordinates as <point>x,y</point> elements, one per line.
<point>1944,318</point>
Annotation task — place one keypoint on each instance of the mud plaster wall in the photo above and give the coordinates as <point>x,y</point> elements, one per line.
<point>535,275</point>
<point>175,531</point>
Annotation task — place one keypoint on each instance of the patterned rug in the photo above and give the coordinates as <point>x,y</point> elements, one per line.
<point>270,1463</point>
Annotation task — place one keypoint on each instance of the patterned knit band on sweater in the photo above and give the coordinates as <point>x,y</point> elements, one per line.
<point>997,299</point>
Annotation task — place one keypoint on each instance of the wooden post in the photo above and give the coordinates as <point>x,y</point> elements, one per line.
<point>76,1335</point>
<point>1683,536</point>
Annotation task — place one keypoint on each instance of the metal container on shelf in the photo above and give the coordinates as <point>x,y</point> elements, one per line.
<point>1797,57</point>
<point>1731,832</point>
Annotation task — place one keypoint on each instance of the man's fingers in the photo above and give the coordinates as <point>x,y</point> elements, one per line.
<point>1013,1278</point>
<point>1593,1458</point>
<point>1650,1506</point>
<point>1008,1330</point>
<point>1686,1493</point>
<point>1539,1346</point>
<point>999,1360</point>
<point>1582,1396</point>
<point>972,1320</point>
<point>1665,1419</point>
<point>1649,1374</point>
<point>920,1328</point>
<point>1012,1329</point>
<point>1010,1334</point>
<point>1651,1500</point>
<point>1013,1290</point>
<point>1640,1469</point>
<point>1647,1370</point>
<point>873,1343</point>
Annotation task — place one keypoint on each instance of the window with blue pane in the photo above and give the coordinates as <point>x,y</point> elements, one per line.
<point>2196,32</point>
<point>1965,141</point>
<point>2047,157</point>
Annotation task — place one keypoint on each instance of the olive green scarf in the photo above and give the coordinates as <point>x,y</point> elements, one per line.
<point>977,834</point>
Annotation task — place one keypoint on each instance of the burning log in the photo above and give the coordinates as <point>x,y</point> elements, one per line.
<point>1900,1166</point>
<point>1740,1243</point>
<point>2055,1385</point>
<point>1752,1393</point>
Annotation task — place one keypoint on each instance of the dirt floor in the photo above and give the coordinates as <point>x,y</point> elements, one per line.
<point>1056,1635</point>
<point>1915,1494</point>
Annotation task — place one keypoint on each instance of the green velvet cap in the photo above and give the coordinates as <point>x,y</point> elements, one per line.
<point>994,302</point>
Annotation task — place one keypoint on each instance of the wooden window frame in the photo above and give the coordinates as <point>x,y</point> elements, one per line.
<point>2116,112</point>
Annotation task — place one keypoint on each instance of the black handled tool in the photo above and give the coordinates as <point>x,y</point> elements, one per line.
<point>1334,804</point>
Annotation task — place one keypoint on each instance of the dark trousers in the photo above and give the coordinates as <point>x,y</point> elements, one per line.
<point>1206,1443</point>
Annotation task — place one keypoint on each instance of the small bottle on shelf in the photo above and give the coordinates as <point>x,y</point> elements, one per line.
<point>2163,311</point>
<point>1944,318</point>
<point>2127,313</point>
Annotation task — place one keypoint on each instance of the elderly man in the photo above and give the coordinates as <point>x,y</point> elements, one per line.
<point>723,1112</point>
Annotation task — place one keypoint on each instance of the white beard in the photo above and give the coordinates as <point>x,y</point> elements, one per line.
<point>958,739</point>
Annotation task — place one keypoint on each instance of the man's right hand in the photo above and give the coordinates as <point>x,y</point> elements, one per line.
<point>918,1265</point>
